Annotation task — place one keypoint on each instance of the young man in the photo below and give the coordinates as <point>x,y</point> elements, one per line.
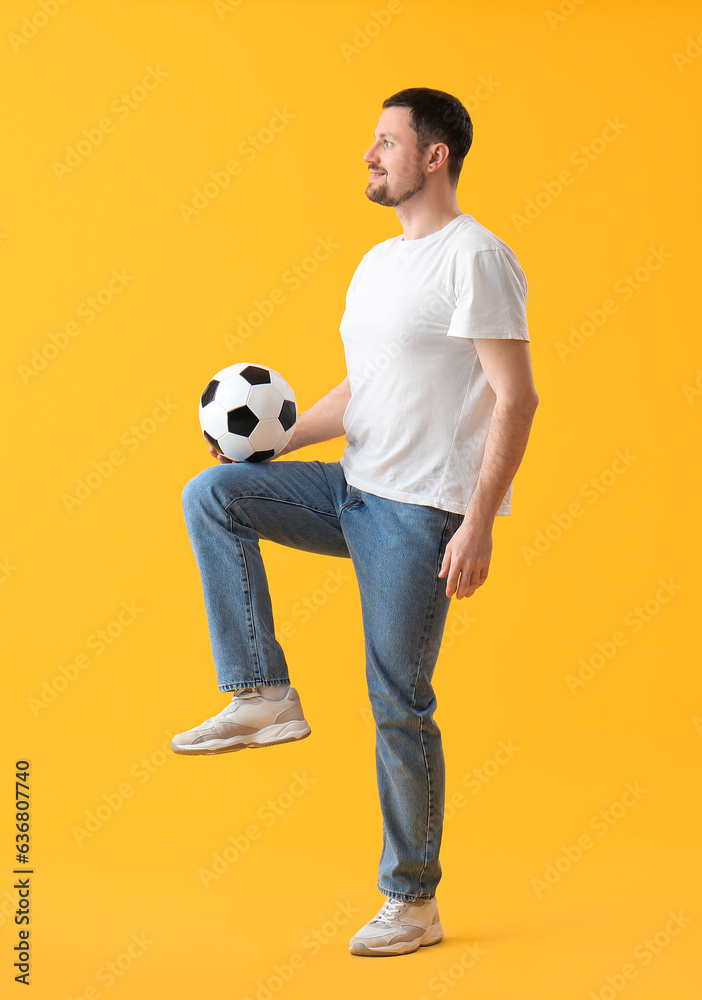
<point>436,408</point>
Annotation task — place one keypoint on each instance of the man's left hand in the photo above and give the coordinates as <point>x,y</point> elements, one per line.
<point>467,557</point>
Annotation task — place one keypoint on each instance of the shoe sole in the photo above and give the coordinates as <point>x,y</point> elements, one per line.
<point>433,935</point>
<point>274,735</point>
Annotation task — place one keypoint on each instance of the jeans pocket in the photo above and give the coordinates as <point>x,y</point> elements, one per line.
<point>354,498</point>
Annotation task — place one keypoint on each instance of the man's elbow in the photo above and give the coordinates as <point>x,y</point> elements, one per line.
<point>521,405</point>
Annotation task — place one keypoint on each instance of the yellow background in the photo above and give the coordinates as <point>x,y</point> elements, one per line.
<point>538,89</point>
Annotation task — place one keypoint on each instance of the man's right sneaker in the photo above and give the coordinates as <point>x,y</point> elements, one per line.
<point>249,720</point>
<point>399,928</point>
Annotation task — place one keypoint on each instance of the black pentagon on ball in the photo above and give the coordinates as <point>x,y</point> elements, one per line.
<point>261,456</point>
<point>288,414</point>
<point>209,393</point>
<point>212,441</point>
<point>241,421</point>
<point>255,375</point>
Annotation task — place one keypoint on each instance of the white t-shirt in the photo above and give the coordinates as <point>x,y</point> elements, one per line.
<point>420,403</point>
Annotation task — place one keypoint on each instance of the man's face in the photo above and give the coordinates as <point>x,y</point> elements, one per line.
<point>395,164</point>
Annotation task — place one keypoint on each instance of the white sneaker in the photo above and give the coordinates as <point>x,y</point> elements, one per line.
<point>399,928</point>
<point>249,720</point>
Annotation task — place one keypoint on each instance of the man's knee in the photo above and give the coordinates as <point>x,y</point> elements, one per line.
<point>399,709</point>
<point>401,703</point>
<point>203,487</point>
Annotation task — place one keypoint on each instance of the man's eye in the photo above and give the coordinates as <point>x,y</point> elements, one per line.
<point>387,142</point>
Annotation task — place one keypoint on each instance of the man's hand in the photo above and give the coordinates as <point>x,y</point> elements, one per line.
<point>222,459</point>
<point>467,556</point>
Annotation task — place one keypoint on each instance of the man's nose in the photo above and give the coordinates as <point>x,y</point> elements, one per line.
<point>368,155</point>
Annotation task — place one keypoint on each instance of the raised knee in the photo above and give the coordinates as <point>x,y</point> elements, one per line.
<point>200,487</point>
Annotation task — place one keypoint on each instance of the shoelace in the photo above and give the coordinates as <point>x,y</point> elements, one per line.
<point>390,910</point>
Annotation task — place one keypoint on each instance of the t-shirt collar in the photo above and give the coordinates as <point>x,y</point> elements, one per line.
<point>423,240</point>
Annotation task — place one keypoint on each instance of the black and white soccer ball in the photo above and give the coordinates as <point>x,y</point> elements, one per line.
<point>248,412</point>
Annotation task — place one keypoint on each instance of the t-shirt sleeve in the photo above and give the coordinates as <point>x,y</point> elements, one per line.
<point>491,298</point>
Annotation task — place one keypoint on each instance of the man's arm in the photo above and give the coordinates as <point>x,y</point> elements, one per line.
<point>507,366</point>
<point>323,420</point>
<point>320,422</point>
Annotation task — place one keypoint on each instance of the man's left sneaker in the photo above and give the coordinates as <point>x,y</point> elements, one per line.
<point>399,928</point>
<point>249,720</point>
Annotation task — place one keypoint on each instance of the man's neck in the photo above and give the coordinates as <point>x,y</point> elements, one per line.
<point>423,220</point>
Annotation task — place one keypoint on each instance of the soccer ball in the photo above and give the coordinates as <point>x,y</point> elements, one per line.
<point>248,412</point>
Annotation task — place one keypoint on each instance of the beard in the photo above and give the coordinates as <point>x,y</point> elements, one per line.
<point>380,193</point>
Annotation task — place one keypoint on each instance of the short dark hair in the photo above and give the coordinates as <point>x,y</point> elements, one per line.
<point>437,117</point>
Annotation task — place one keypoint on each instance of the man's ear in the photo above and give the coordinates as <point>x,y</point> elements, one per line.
<point>439,155</point>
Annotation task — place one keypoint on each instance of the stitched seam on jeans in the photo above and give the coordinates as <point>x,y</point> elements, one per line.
<point>293,503</point>
<point>427,626</point>
<point>248,590</point>
<point>430,801</point>
<point>430,614</point>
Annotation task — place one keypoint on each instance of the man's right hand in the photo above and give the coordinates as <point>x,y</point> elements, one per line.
<point>222,459</point>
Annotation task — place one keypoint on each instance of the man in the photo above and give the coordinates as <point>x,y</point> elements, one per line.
<point>436,407</point>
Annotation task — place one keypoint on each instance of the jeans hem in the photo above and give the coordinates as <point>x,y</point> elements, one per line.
<point>404,896</point>
<point>256,682</point>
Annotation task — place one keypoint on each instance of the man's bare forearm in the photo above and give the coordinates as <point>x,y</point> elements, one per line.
<point>505,445</point>
<point>322,421</point>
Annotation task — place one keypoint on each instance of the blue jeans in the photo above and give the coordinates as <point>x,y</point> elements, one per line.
<point>396,550</point>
